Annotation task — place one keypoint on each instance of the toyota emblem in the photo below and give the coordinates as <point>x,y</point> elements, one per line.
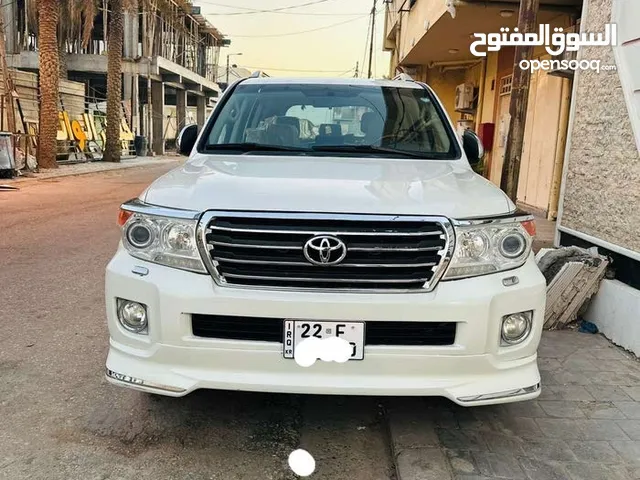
<point>325,250</point>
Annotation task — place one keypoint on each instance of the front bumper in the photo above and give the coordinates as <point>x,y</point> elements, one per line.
<point>476,370</point>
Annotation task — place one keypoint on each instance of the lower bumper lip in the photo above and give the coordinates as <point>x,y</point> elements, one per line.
<point>120,377</point>
<point>499,395</point>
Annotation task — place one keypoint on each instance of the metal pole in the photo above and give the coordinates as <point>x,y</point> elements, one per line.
<point>373,29</point>
<point>227,70</point>
<point>519,99</point>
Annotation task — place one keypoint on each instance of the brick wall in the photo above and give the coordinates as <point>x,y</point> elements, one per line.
<point>602,185</point>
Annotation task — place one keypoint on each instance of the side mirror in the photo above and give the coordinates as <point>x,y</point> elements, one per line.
<point>186,139</point>
<point>473,148</point>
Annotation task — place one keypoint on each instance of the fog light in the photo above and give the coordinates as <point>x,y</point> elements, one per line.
<point>516,327</point>
<point>132,316</point>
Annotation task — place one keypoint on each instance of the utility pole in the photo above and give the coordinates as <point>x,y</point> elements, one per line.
<point>527,20</point>
<point>373,32</point>
<point>229,55</point>
<point>357,66</point>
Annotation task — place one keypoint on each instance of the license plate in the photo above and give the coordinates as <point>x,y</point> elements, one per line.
<point>295,331</point>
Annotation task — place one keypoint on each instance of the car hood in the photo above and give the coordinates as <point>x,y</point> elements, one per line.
<point>328,184</point>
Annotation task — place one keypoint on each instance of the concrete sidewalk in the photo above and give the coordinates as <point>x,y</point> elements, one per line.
<point>584,426</point>
<point>92,167</point>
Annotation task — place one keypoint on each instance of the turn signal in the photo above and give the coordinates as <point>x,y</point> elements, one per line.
<point>123,216</point>
<point>530,227</point>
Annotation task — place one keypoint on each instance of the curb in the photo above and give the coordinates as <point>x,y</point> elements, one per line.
<point>59,173</point>
<point>415,447</point>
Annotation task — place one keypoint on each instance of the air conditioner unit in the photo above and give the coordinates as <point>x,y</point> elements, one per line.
<point>464,97</point>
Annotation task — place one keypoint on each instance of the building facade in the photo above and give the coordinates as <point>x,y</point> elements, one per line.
<point>600,201</point>
<point>581,160</point>
<point>171,55</point>
<point>431,39</point>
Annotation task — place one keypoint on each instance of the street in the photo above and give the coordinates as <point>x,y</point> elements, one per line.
<point>62,420</point>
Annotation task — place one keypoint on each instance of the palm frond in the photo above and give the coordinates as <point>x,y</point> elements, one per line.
<point>89,13</point>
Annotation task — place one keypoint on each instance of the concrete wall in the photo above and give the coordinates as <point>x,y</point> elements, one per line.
<point>614,310</point>
<point>601,181</point>
<point>423,13</point>
<point>601,191</point>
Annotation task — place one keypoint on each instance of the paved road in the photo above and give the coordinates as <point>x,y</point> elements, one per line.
<point>59,417</point>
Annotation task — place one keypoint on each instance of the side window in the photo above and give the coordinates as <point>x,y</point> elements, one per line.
<point>230,124</point>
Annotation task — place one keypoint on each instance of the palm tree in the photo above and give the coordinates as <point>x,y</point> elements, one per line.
<point>48,14</point>
<point>76,29</point>
<point>113,147</point>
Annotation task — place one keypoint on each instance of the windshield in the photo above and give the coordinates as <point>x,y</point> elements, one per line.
<point>367,120</point>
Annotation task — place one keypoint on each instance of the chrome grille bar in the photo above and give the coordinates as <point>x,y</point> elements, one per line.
<point>340,280</point>
<point>327,232</point>
<point>384,253</point>
<point>342,265</point>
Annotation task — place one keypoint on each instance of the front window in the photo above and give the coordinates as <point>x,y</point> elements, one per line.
<point>335,119</point>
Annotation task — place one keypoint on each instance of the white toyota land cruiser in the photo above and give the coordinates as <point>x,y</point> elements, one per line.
<point>315,208</point>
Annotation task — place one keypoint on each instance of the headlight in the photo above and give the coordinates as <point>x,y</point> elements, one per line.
<point>489,247</point>
<point>164,240</point>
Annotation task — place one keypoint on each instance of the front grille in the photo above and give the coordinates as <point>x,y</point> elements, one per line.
<point>271,330</point>
<point>382,252</point>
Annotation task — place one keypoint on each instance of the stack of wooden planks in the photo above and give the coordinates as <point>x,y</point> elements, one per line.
<point>573,276</point>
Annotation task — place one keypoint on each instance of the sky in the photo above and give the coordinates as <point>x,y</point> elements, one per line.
<point>279,42</point>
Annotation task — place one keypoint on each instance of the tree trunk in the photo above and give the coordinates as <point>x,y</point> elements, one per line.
<point>62,60</point>
<point>113,147</point>
<point>48,13</point>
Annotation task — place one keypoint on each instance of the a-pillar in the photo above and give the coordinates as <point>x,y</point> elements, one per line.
<point>201,110</point>
<point>157,112</point>
<point>181,109</point>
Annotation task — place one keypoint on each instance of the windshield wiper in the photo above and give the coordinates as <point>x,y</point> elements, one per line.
<point>252,147</point>
<point>367,149</point>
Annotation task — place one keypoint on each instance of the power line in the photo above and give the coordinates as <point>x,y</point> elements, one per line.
<point>351,70</point>
<point>300,32</point>
<point>251,11</point>
<point>295,70</point>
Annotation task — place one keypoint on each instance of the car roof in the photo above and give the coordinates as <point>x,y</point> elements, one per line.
<point>364,82</point>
